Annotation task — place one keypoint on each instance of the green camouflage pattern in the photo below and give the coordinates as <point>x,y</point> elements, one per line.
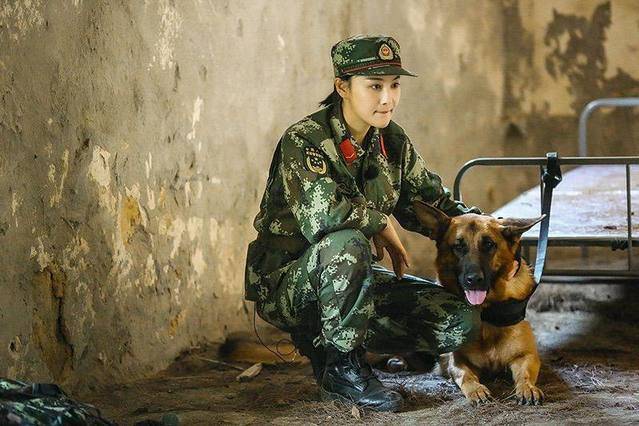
<point>333,292</point>
<point>20,406</point>
<point>316,218</point>
<point>367,55</point>
<point>414,314</point>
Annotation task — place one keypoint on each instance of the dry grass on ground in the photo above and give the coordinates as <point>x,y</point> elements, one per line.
<point>590,374</point>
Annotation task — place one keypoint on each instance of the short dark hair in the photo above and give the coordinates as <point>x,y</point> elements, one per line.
<point>334,97</point>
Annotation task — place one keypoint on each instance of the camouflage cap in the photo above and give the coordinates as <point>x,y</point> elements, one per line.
<point>367,55</point>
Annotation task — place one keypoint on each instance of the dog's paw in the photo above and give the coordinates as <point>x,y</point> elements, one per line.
<point>528,394</point>
<point>477,393</point>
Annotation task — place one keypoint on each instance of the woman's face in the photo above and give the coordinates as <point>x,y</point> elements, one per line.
<point>373,99</point>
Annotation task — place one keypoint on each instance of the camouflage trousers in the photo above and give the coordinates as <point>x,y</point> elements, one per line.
<point>335,293</point>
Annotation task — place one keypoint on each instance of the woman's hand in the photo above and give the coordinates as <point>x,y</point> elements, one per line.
<point>387,239</point>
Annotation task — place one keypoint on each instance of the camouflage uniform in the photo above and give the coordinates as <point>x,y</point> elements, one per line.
<point>310,269</point>
<point>43,404</point>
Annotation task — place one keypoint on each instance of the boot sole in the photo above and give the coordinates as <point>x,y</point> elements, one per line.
<point>387,406</point>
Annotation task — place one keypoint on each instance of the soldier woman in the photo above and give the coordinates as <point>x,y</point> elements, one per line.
<point>335,177</point>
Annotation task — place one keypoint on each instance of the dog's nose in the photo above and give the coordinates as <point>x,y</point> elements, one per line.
<point>474,279</point>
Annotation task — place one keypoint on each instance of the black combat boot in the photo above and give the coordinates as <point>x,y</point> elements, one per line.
<point>423,361</point>
<point>348,378</point>
<point>317,355</point>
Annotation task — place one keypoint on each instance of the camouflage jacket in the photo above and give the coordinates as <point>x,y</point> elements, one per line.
<point>30,404</point>
<point>321,181</point>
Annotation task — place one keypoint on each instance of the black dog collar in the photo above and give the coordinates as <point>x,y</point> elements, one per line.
<point>504,314</point>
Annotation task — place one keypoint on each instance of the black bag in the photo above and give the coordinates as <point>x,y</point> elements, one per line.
<point>43,404</point>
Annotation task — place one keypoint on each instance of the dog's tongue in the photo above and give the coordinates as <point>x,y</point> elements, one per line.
<point>475,297</point>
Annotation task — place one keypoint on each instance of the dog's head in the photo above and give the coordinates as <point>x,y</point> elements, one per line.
<point>476,254</point>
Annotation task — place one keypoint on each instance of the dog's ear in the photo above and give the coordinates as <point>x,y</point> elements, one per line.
<point>434,220</point>
<point>512,228</point>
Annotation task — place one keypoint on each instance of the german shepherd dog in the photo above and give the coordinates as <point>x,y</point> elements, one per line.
<point>477,256</point>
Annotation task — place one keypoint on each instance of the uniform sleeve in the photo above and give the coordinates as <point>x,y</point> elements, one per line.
<point>418,183</point>
<point>320,205</point>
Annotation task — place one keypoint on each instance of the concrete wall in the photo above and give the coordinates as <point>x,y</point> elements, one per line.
<point>135,139</point>
<point>559,56</point>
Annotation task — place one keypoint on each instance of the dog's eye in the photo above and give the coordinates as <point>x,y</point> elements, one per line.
<point>488,244</point>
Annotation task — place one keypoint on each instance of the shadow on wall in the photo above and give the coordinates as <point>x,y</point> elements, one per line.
<point>576,52</point>
<point>575,58</point>
<point>579,54</point>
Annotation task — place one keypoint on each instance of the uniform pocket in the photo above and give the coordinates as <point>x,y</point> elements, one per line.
<point>265,267</point>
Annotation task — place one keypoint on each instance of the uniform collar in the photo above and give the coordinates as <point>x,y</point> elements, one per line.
<point>349,148</point>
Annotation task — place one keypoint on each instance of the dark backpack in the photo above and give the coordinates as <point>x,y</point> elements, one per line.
<point>43,404</point>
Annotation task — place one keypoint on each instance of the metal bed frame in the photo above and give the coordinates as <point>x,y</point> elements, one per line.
<point>583,275</point>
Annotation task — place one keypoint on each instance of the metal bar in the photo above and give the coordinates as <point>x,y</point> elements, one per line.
<point>555,279</point>
<point>591,272</point>
<point>535,161</point>
<point>590,108</point>
<point>605,241</point>
<point>602,241</point>
<point>541,188</point>
<point>629,215</point>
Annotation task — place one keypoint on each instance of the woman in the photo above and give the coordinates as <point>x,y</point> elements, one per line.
<point>335,177</point>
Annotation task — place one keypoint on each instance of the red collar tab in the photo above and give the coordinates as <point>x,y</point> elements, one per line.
<point>382,146</point>
<point>348,151</point>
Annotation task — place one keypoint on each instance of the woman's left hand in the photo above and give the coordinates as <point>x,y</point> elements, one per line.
<point>387,239</point>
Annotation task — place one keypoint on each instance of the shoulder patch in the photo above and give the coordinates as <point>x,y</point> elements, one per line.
<point>314,160</point>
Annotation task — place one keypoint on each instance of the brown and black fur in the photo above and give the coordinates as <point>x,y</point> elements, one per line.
<point>476,252</point>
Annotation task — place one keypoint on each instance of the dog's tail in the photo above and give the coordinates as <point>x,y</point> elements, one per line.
<point>246,350</point>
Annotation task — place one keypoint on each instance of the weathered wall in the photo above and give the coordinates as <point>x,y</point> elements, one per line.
<point>559,56</point>
<point>135,139</point>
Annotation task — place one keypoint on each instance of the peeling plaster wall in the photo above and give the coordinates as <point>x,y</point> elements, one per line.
<point>559,56</point>
<point>135,143</point>
<point>127,194</point>
<point>135,139</point>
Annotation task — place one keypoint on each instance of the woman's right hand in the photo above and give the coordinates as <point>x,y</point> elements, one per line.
<point>388,239</point>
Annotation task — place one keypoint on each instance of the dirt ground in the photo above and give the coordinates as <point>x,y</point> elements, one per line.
<point>590,374</point>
